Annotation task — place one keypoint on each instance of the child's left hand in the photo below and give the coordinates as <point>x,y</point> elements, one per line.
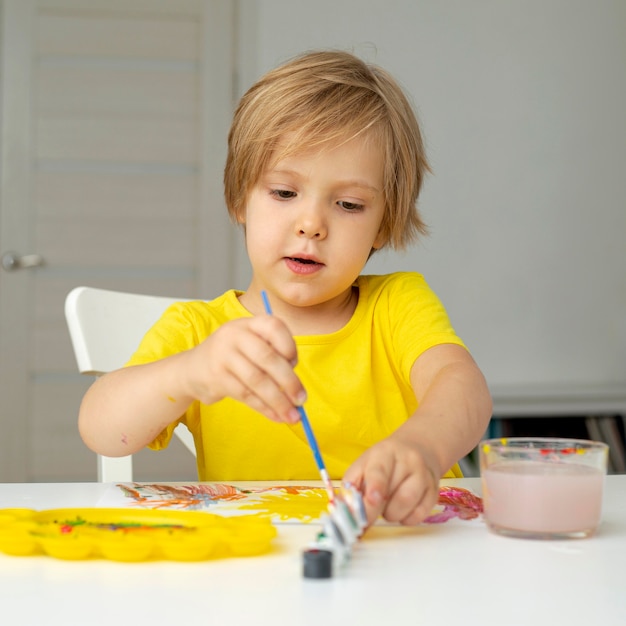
<point>399,480</point>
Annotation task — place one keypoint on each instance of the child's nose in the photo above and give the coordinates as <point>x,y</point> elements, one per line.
<point>311,222</point>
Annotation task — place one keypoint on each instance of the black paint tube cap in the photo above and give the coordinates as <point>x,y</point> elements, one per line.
<point>318,563</point>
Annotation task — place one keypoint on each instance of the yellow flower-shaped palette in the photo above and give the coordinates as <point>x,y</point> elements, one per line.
<point>130,535</point>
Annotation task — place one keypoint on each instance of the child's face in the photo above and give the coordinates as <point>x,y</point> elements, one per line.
<point>312,220</point>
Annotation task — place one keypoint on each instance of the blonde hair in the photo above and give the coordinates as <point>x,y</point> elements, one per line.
<point>322,98</point>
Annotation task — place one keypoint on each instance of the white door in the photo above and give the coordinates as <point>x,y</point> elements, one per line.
<point>114,116</point>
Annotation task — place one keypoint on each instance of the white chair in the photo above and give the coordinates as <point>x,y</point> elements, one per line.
<point>106,328</point>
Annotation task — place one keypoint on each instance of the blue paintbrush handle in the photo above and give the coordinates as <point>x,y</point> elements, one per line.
<point>266,302</point>
<point>311,439</point>
<point>305,421</point>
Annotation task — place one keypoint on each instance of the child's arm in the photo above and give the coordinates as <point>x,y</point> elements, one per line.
<point>249,359</point>
<point>400,475</point>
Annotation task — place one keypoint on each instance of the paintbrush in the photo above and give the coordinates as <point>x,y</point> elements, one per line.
<point>308,430</point>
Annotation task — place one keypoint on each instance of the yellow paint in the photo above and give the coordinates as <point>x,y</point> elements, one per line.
<point>305,506</point>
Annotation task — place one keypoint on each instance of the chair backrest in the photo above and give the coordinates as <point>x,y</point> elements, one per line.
<point>105,328</point>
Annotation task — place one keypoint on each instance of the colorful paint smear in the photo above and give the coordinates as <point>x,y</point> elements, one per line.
<point>456,502</point>
<point>280,503</point>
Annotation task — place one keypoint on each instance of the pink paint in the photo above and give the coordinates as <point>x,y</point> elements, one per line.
<point>536,497</point>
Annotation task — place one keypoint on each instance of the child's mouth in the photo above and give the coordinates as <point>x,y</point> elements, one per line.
<point>303,267</point>
<point>305,261</point>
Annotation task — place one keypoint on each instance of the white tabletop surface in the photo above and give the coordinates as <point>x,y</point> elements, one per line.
<point>451,573</point>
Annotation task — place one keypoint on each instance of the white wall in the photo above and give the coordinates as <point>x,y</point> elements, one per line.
<point>522,105</point>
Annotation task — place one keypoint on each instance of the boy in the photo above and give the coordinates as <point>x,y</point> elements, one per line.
<point>324,167</point>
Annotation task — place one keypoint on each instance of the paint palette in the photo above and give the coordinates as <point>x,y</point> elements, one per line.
<point>128,535</point>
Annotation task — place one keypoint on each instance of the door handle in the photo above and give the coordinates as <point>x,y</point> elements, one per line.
<point>12,261</point>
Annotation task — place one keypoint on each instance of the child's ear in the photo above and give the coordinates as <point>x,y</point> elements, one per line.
<point>380,241</point>
<point>240,216</point>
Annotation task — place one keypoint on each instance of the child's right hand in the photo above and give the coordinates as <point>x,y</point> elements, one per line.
<point>250,360</point>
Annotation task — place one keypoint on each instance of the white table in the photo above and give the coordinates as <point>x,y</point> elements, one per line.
<point>429,575</point>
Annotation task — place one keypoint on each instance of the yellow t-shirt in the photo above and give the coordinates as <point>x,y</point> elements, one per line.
<point>357,382</point>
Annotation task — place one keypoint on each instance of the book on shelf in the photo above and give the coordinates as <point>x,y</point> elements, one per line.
<point>612,436</point>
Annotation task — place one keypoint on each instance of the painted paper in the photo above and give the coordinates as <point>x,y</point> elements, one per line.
<point>279,503</point>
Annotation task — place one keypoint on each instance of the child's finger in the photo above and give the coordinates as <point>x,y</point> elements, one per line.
<point>276,333</point>
<point>261,385</point>
<point>375,481</point>
<point>276,354</point>
<point>241,362</point>
<point>422,509</point>
<point>239,391</point>
<point>262,357</point>
<point>413,498</point>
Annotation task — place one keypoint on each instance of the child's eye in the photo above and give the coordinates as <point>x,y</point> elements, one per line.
<point>350,206</point>
<point>283,194</point>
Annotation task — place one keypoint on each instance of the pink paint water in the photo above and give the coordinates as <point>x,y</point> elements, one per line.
<point>542,497</point>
